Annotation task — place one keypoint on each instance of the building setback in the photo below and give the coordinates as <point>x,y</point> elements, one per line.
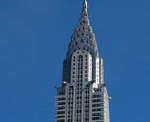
<point>83,96</point>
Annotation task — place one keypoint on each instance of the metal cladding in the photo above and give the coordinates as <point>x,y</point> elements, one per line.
<point>83,37</point>
<point>83,95</point>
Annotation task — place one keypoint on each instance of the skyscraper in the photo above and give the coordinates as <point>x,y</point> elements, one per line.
<point>83,96</point>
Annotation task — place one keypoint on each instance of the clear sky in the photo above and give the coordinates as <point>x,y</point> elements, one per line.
<point>34,37</point>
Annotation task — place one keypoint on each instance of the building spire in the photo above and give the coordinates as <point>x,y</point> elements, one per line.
<point>85,4</point>
<point>83,37</point>
<point>84,11</point>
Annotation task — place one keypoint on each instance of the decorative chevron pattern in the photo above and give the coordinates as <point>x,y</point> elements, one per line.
<point>83,33</point>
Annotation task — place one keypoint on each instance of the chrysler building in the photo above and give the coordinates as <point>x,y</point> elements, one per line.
<point>83,95</point>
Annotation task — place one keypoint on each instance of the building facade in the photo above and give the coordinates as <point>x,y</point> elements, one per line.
<point>83,96</point>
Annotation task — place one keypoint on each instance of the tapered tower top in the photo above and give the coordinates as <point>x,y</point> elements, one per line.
<point>83,37</point>
<point>84,11</point>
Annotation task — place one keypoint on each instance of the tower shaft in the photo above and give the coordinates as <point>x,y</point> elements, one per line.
<point>83,96</point>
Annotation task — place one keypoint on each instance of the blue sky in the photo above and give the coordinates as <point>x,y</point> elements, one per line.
<point>34,37</point>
